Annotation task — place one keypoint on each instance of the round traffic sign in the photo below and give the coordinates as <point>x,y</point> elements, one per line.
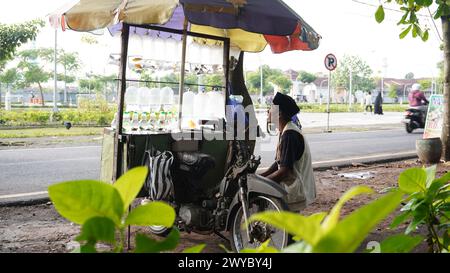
<point>330,62</point>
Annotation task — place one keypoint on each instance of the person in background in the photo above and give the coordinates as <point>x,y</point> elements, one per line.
<point>378,109</point>
<point>417,100</point>
<point>293,165</point>
<point>368,102</point>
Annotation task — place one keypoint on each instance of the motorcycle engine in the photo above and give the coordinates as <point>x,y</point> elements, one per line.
<point>196,217</point>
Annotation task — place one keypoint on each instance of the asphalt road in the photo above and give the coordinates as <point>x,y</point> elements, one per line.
<point>26,173</point>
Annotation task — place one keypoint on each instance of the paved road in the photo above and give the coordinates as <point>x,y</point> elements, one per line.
<point>33,170</point>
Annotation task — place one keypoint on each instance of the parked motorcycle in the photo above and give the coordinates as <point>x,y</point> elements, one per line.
<point>414,119</point>
<point>228,205</point>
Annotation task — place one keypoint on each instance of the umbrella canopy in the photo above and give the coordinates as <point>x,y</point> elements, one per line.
<point>250,24</point>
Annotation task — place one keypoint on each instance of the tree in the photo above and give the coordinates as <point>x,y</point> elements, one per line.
<point>10,77</point>
<point>32,66</point>
<point>214,80</point>
<point>409,76</point>
<point>425,84</point>
<point>306,77</point>
<point>270,75</point>
<point>13,36</point>
<point>70,63</point>
<point>412,23</point>
<point>392,91</point>
<point>361,74</point>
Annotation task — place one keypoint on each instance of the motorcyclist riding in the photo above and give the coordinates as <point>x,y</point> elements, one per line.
<point>417,99</point>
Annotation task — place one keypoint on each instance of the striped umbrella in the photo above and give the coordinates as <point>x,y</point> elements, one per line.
<point>250,25</point>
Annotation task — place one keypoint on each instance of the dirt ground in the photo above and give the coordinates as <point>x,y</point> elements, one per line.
<point>39,228</point>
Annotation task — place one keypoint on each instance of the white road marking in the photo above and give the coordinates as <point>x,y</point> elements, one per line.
<point>54,148</point>
<point>49,161</point>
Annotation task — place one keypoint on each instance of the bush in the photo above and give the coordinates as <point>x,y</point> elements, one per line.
<point>42,117</point>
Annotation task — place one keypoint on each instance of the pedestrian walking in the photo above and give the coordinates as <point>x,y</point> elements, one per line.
<point>378,110</point>
<point>368,102</point>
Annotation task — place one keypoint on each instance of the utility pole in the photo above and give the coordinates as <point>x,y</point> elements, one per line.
<point>350,92</point>
<point>55,107</point>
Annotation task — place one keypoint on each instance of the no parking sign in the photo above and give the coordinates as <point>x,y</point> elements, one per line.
<point>330,62</point>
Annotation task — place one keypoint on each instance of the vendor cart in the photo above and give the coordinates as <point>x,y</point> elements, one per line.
<point>216,188</point>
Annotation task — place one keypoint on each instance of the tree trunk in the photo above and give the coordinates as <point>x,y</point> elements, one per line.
<point>65,86</point>
<point>446,125</point>
<point>42,94</point>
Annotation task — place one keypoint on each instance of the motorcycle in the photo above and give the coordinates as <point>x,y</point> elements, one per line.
<point>414,119</point>
<point>227,206</point>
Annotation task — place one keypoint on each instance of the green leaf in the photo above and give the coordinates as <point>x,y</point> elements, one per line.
<point>79,201</point>
<point>195,249</point>
<point>353,229</point>
<point>332,219</point>
<point>154,213</point>
<point>413,180</point>
<point>129,185</point>
<point>405,32</point>
<point>263,248</point>
<point>89,248</point>
<point>417,220</point>
<point>400,243</point>
<point>425,36</point>
<point>98,229</point>
<point>379,14</point>
<point>298,247</point>
<point>431,175</point>
<point>145,244</point>
<point>306,228</point>
<point>400,219</point>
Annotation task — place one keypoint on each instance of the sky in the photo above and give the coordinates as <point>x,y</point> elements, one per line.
<point>348,27</point>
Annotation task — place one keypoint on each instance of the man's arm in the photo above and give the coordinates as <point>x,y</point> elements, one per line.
<point>280,174</point>
<point>270,170</point>
<point>422,97</point>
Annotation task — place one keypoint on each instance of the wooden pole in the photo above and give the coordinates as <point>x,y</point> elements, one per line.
<point>118,142</point>
<point>182,72</point>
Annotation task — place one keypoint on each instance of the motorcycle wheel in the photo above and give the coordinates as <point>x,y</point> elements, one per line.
<point>261,231</point>
<point>160,230</point>
<point>409,128</point>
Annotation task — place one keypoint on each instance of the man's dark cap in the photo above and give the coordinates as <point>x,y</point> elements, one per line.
<point>286,103</point>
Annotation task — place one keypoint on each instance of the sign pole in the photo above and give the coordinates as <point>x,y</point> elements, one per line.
<point>328,102</point>
<point>330,65</point>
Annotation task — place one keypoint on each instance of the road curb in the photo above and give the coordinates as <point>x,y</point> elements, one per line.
<point>347,163</point>
<point>25,203</point>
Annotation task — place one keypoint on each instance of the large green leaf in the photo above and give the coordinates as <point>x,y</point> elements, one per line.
<point>400,219</point>
<point>351,231</point>
<point>130,183</point>
<point>431,174</point>
<point>263,248</point>
<point>332,219</point>
<point>79,201</point>
<point>298,247</point>
<point>145,244</point>
<point>405,32</point>
<point>413,180</point>
<point>98,229</point>
<point>379,14</point>
<point>306,228</point>
<point>400,243</point>
<point>154,213</point>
